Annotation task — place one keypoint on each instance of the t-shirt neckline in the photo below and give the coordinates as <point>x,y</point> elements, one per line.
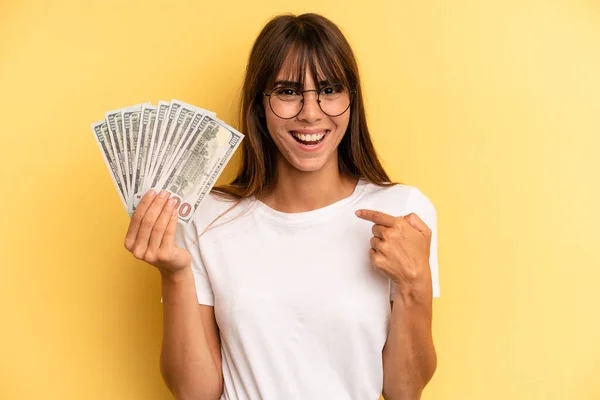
<point>316,215</point>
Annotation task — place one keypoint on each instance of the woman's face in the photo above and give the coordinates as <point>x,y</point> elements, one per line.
<point>308,141</point>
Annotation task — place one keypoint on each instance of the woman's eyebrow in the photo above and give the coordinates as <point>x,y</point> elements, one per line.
<point>287,83</point>
<point>330,82</point>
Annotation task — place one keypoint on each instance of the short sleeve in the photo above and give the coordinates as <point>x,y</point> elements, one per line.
<point>186,237</point>
<point>423,207</point>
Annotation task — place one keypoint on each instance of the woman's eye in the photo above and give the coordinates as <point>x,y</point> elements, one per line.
<point>286,92</point>
<point>331,89</point>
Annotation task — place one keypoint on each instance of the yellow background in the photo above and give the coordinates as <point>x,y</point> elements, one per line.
<point>491,108</point>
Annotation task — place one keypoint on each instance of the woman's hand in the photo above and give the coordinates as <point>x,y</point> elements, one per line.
<point>400,248</point>
<point>151,234</point>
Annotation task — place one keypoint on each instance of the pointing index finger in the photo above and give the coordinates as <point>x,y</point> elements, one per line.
<point>376,217</point>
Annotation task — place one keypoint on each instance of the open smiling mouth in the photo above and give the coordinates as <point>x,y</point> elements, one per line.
<point>309,139</point>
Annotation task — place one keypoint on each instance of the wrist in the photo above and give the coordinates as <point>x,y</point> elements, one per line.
<point>176,275</point>
<point>413,294</point>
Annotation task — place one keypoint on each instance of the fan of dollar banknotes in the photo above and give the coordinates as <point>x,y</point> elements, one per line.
<point>173,146</point>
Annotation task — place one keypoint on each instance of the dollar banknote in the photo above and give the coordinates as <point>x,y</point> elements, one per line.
<point>102,136</point>
<point>161,139</point>
<point>114,121</point>
<point>161,112</point>
<point>174,146</point>
<point>186,136</point>
<point>200,162</point>
<point>131,126</point>
<point>147,120</point>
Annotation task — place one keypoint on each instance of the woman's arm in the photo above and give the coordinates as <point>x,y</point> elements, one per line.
<point>409,358</point>
<point>401,249</point>
<point>190,360</point>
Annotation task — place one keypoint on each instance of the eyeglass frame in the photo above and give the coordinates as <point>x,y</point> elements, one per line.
<point>318,91</point>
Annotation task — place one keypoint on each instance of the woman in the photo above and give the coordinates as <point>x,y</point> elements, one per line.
<point>279,288</point>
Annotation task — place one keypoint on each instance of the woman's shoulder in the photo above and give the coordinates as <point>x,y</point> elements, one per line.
<point>388,190</point>
<point>217,207</point>
<point>398,195</point>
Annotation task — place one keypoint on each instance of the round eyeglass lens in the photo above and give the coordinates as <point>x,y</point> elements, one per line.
<point>334,99</point>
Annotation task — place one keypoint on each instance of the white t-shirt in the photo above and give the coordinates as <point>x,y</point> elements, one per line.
<point>301,313</point>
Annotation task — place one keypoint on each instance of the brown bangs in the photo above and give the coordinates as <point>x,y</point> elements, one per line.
<point>307,50</point>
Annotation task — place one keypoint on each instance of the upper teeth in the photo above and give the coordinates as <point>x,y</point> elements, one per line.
<point>309,138</point>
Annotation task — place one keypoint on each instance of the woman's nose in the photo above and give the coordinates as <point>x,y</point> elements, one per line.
<point>311,112</point>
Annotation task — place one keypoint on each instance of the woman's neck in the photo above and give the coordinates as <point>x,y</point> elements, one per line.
<point>298,191</point>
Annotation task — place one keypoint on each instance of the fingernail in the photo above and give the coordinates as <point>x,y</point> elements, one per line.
<point>163,193</point>
<point>357,213</point>
<point>151,193</point>
<point>171,202</point>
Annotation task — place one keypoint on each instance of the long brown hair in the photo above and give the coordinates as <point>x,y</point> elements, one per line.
<point>312,41</point>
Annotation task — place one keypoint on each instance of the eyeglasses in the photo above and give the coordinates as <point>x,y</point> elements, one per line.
<point>288,102</point>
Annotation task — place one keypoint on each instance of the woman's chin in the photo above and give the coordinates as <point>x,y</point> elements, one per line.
<point>308,165</point>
